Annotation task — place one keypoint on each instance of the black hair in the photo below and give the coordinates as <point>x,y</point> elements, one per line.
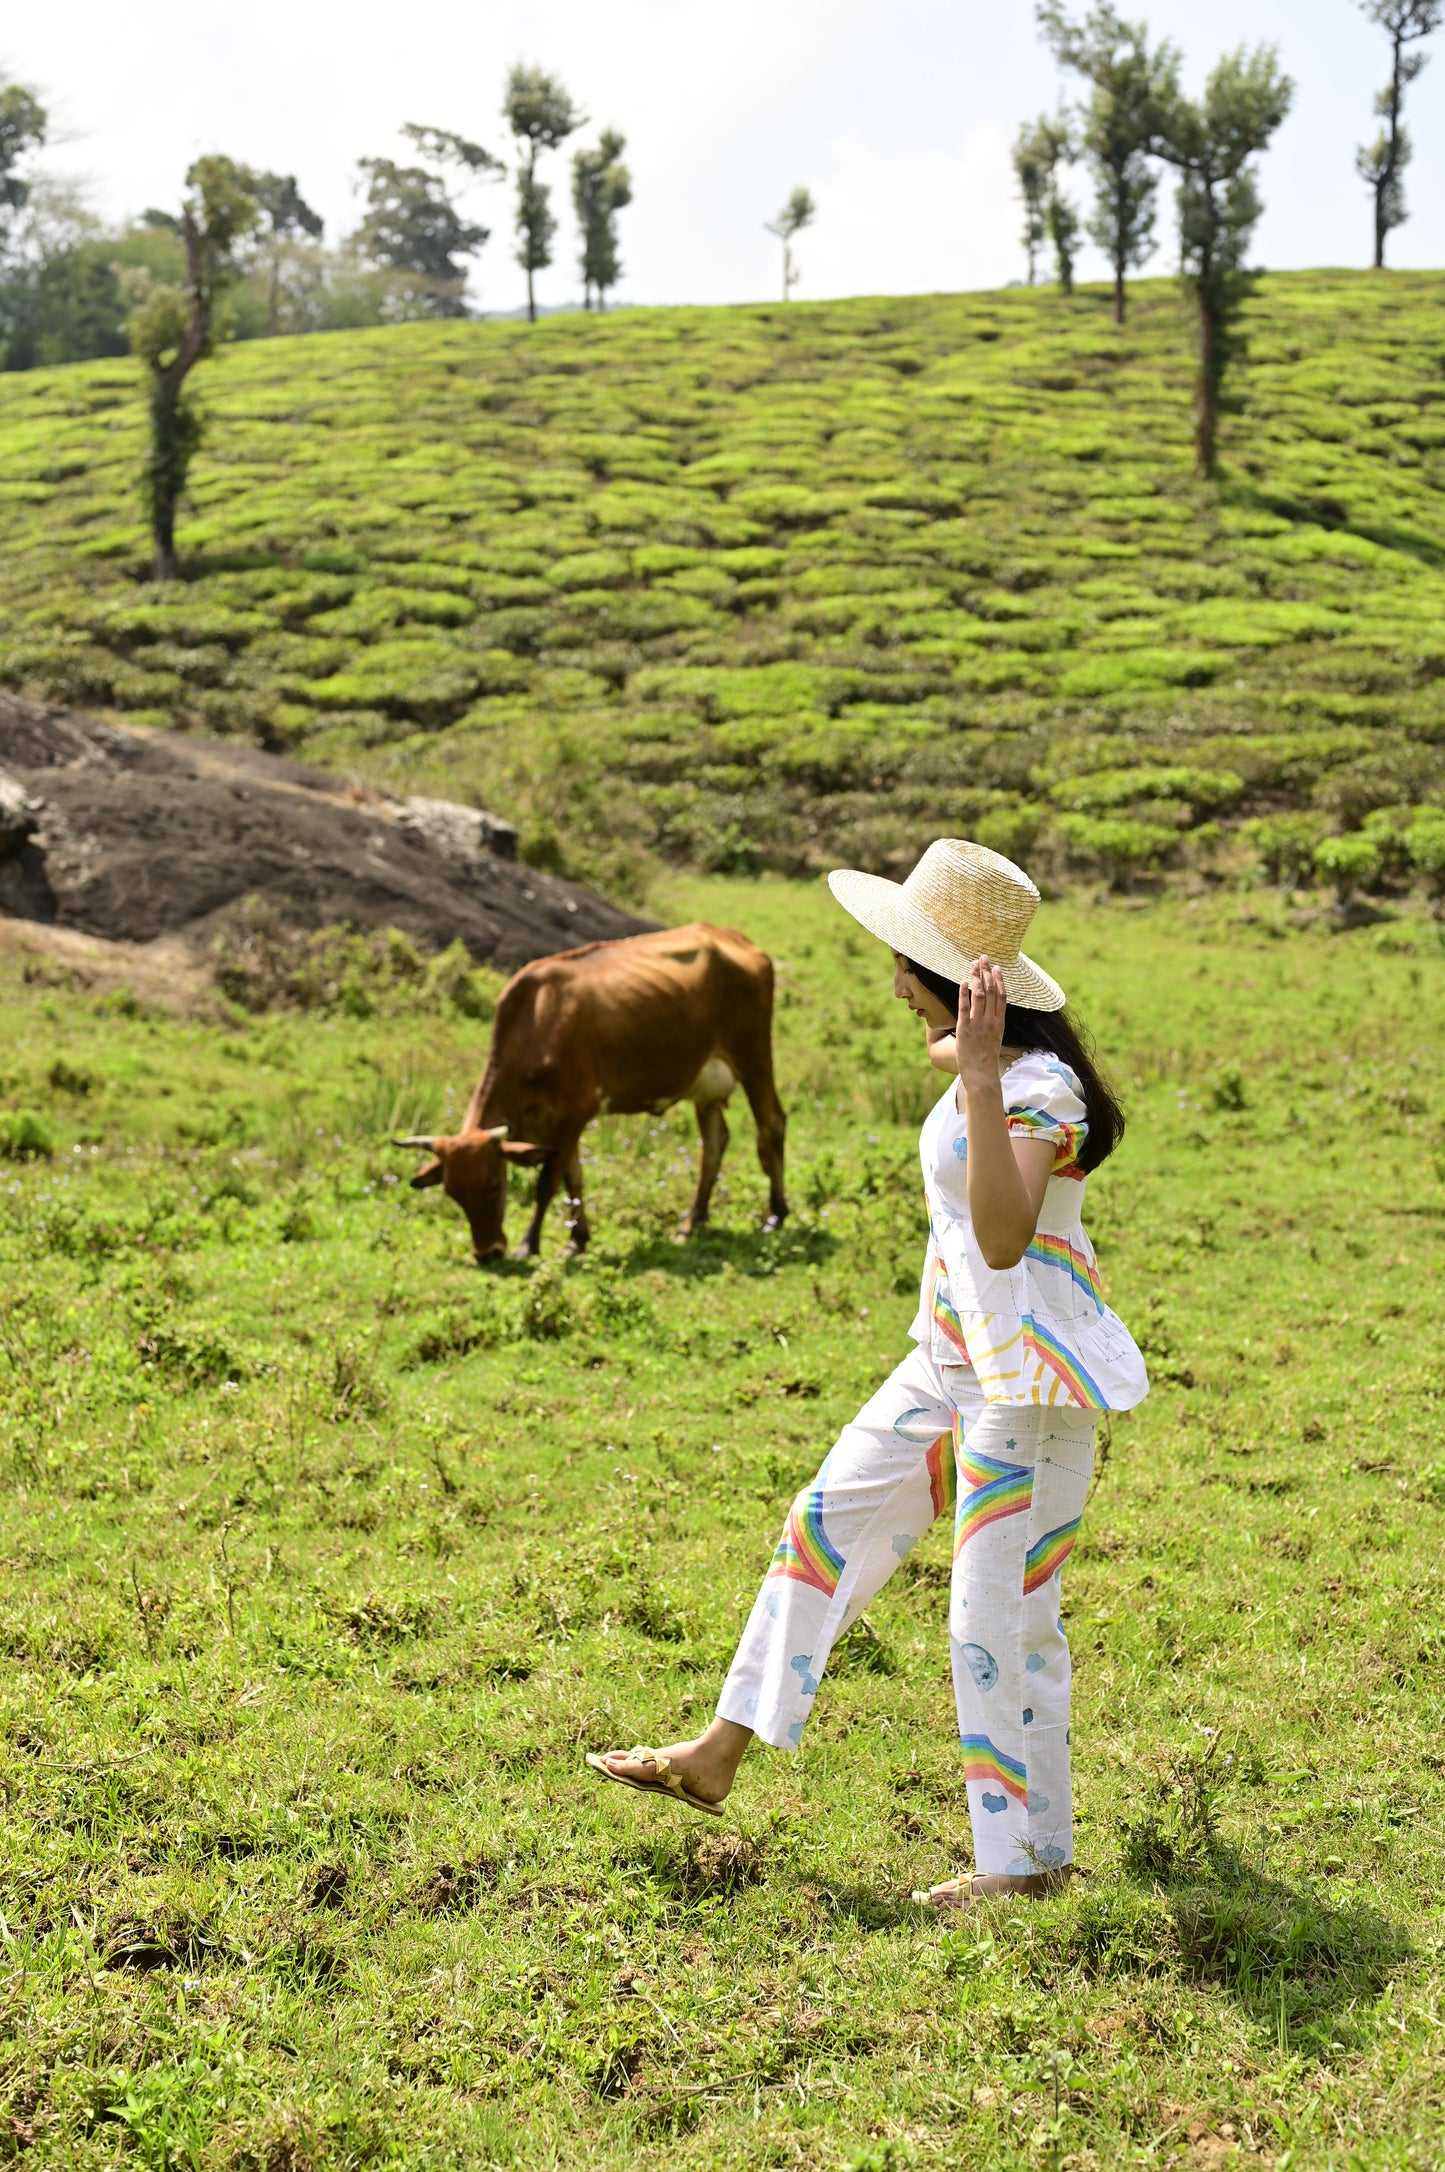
<point>1063,1037</point>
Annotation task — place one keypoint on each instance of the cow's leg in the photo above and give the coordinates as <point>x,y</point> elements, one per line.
<point>580,1231</point>
<point>757,1078</point>
<point>712,1124</point>
<point>548,1177</point>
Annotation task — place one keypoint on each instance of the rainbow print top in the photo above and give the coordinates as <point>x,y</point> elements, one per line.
<point>1039,1332</point>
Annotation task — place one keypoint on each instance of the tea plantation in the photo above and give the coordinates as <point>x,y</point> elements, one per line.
<point>749,586</point>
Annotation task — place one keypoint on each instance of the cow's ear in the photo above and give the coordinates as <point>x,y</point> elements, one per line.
<point>431,1174</point>
<point>523,1156</point>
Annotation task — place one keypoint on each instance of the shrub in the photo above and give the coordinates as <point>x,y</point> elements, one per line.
<point>1348,864</point>
<point>1424,840</point>
<point>24,1136</point>
<point>1285,844</point>
<point>1121,848</point>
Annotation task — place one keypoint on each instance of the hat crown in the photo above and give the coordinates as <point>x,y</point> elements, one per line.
<point>979,900</point>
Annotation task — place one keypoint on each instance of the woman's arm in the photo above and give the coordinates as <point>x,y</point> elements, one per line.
<point>1007,1177</point>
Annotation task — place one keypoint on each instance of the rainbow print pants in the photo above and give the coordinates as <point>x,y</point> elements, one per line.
<point>1015,1476</point>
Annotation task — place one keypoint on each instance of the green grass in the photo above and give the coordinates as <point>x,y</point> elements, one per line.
<point>744,587</point>
<point>323,1556</point>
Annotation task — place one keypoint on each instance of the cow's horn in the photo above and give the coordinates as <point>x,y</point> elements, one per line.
<point>498,1131</point>
<point>427,1143</point>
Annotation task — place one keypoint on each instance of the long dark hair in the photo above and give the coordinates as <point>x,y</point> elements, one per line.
<point>1057,1032</point>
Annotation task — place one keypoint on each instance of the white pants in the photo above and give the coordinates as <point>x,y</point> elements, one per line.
<point>1016,1475</point>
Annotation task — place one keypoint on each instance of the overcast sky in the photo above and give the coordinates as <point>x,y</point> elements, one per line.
<point>898,114</point>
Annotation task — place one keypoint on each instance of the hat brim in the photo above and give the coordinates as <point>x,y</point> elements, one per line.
<point>885,910</point>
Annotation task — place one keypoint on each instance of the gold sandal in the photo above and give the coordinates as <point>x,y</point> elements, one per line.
<point>667,1783</point>
<point>993,1885</point>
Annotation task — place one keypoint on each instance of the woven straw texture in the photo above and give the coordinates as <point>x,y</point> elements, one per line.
<point>960,903</point>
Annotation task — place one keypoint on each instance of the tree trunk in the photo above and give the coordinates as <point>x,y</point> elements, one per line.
<point>1392,166</point>
<point>1206,392</point>
<point>273,304</point>
<point>163,493</point>
<point>531,299</point>
<point>1119,291</point>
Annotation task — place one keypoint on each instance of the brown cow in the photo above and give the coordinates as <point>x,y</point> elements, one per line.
<point>627,1027</point>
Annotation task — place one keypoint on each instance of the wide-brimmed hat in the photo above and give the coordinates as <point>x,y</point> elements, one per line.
<point>961,902</point>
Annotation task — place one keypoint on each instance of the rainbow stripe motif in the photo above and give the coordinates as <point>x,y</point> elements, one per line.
<point>945,1312</point>
<point>942,1474</point>
<point>983,1761</point>
<point>1077,1265</point>
<point>1068,1138</point>
<point>1047,1555</point>
<point>994,1489</point>
<point>1046,1348</point>
<point>805,1551</point>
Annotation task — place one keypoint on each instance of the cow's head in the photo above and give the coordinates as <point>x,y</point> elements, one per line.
<point>472,1170</point>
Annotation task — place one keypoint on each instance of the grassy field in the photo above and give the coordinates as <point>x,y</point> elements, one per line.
<point>740,587</point>
<point>323,1556</point>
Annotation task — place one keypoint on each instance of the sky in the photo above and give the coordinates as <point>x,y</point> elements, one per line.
<point>897,114</point>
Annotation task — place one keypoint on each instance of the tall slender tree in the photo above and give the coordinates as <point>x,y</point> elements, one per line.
<point>1214,142</point>
<point>172,328</point>
<point>1381,164</point>
<point>1041,148</point>
<point>23,125</point>
<point>1129,84</point>
<point>799,211</point>
<point>601,187</point>
<point>541,116</point>
<point>1031,171</point>
<point>287,215</point>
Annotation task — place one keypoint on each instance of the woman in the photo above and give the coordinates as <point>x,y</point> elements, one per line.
<point>993,1411</point>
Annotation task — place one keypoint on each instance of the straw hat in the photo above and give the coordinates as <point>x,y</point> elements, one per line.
<point>961,902</point>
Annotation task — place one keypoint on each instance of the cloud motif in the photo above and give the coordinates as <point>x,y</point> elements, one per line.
<point>993,1803</point>
<point>751,1707</point>
<point>903,1544</point>
<point>981,1665</point>
<point>1050,1857</point>
<point>1028,1715</point>
<point>800,1667</point>
<point>1034,1663</point>
<point>960,1146</point>
<point>1037,1802</point>
<point>771,1603</point>
<point>795,1732</point>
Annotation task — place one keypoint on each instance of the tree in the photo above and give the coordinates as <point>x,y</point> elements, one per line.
<point>799,211</point>
<point>412,230</point>
<point>1031,172</point>
<point>172,328</point>
<point>1213,141</point>
<point>1040,149</point>
<point>541,116</point>
<point>1129,85</point>
<point>23,123</point>
<point>288,215</point>
<point>601,187</point>
<point>1061,223</point>
<point>1381,164</point>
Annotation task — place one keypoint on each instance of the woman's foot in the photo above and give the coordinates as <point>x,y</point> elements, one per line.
<point>706,1766</point>
<point>995,1885</point>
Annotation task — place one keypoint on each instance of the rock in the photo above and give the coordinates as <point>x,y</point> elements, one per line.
<point>456,831</point>
<point>19,814</point>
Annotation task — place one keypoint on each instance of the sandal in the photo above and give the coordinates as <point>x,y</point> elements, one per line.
<point>667,1783</point>
<point>993,1885</point>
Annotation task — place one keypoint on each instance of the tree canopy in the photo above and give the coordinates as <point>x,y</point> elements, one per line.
<point>601,187</point>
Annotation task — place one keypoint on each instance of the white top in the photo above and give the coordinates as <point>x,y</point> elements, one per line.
<point>1039,1332</point>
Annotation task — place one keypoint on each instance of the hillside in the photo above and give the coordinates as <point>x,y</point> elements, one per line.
<point>760,585</point>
